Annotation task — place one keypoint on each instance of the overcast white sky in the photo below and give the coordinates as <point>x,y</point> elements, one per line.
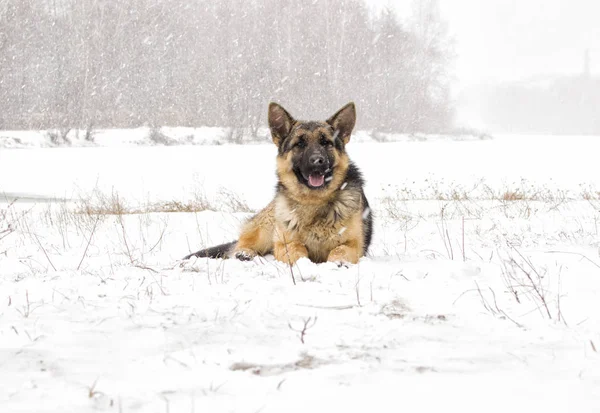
<point>511,39</point>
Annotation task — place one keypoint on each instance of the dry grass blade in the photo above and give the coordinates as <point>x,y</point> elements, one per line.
<point>575,253</point>
<point>124,235</point>
<point>6,227</point>
<point>536,288</point>
<point>44,250</point>
<point>89,241</point>
<point>494,310</point>
<point>92,392</point>
<point>513,196</point>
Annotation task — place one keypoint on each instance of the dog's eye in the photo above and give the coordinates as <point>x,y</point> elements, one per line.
<point>300,144</point>
<point>325,142</point>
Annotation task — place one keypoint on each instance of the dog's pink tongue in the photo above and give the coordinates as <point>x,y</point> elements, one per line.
<point>316,180</point>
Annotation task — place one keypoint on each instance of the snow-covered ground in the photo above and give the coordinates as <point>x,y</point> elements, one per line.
<point>469,300</point>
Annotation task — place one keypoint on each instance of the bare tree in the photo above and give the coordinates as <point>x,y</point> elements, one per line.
<point>69,64</point>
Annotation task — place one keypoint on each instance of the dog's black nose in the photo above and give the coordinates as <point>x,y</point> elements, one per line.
<point>316,159</point>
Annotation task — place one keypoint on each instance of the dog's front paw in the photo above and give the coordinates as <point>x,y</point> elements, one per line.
<point>245,254</point>
<point>343,256</point>
<point>291,253</point>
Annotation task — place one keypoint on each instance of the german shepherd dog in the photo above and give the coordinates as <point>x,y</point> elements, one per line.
<point>320,210</point>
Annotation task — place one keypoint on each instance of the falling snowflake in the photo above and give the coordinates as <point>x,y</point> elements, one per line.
<point>366,213</point>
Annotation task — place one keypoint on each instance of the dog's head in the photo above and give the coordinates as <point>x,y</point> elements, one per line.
<point>311,154</point>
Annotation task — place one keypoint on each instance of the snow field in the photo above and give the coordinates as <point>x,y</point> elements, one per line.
<point>97,313</point>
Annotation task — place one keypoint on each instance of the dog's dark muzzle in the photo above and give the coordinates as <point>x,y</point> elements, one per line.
<point>316,170</point>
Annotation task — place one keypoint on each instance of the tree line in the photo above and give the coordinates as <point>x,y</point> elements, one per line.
<point>106,63</point>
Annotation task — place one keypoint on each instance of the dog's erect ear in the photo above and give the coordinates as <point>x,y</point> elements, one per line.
<point>280,122</point>
<point>343,121</point>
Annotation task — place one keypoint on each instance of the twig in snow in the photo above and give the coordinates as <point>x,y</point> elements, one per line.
<point>308,323</point>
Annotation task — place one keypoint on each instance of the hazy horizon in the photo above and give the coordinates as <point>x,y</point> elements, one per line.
<point>506,40</point>
<point>500,41</point>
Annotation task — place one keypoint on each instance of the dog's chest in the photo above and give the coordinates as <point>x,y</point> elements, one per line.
<point>317,226</point>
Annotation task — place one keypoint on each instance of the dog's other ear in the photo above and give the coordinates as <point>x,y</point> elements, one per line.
<point>343,121</point>
<point>280,122</point>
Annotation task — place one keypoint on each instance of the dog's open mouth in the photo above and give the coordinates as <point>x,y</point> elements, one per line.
<point>316,180</point>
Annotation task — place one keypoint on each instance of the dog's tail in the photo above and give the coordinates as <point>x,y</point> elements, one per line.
<point>220,251</point>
